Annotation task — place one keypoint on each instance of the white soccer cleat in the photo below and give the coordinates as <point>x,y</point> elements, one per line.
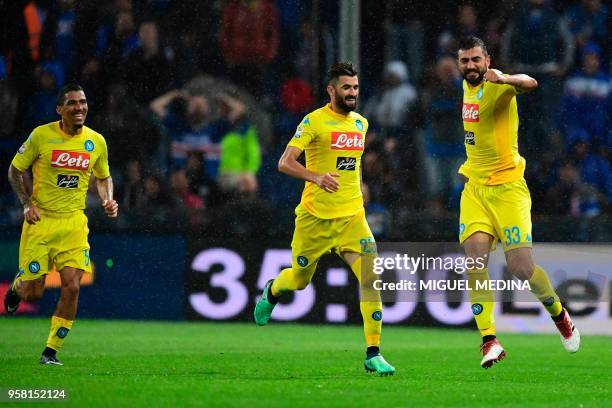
<point>570,336</point>
<point>492,352</point>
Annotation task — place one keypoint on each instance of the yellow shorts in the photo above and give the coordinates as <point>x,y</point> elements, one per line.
<point>314,237</point>
<point>503,211</point>
<point>58,239</point>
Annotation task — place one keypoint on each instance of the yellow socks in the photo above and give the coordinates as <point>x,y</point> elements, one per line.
<point>483,302</point>
<point>369,304</point>
<point>59,330</point>
<point>543,290</point>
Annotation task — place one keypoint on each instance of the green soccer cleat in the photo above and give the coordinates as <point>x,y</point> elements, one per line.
<point>377,364</point>
<point>263,308</point>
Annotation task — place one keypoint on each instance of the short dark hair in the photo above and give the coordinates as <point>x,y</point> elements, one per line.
<point>342,68</point>
<point>61,95</point>
<point>470,42</point>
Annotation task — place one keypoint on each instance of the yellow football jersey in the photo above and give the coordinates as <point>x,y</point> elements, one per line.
<point>333,144</point>
<point>490,122</point>
<point>62,165</point>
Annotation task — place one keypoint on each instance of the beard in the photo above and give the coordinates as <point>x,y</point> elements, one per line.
<point>478,79</point>
<point>341,103</point>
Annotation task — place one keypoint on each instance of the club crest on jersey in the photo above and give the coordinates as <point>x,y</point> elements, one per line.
<point>470,112</point>
<point>70,160</point>
<point>346,163</point>
<point>359,124</point>
<point>347,141</point>
<point>89,145</point>
<point>479,93</point>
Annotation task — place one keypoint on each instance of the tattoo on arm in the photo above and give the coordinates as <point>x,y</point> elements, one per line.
<point>15,178</point>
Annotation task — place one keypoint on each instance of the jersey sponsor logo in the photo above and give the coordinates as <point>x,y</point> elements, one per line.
<point>471,112</point>
<point>67,181</point>
<point>469,138</point>
<point>346,163</point>
<point>70,160</point>
<point>347,141</point>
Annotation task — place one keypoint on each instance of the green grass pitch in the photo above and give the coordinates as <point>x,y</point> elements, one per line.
<point>158,364</point>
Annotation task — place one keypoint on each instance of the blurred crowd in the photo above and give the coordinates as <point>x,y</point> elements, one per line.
<point>197,99</point>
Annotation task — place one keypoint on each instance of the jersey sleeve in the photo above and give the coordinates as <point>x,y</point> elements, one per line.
<point>27,153</point>
<point>304,134</point>
<point>101,170</point>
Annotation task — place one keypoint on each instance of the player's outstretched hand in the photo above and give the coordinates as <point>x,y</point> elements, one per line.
<point>111,208</point>
<point>328,182</point>
<point>495,76</point>
<point>31,213</point>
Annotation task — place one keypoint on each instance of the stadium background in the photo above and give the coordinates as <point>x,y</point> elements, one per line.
<point>197,100</point>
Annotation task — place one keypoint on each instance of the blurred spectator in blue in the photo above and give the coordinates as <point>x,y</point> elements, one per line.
<point>586,105</point>
<point>115,40</point>
<point>50,77</point>
<point>58,35</point>
<point>405,36</point>
<point>444,151</point>
<point>569,195</point>
<point>147,61</point>
<point>588,22</point>
<point>249,39</point>
<point>537,42</point>
<point>188,123</point>
<point>8,102</point>
<point>376,213</point>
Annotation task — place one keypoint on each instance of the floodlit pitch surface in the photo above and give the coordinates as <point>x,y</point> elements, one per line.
<point>127,363</point>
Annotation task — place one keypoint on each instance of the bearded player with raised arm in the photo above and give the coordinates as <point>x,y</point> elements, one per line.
<point>330,215</point>
<point>495,202</point>
<point>63,155</point>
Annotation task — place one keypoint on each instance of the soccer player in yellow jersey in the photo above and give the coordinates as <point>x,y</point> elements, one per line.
<point>330,215</point>
<point>63,155</point>
<point>495,202</point>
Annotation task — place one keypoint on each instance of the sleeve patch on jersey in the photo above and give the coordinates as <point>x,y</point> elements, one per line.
<point>306,122</point>
<point>22,149</point>
<point>298,132</point>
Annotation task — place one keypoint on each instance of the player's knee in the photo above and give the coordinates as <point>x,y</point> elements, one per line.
<point>521,268</point>
<point>71,288</point>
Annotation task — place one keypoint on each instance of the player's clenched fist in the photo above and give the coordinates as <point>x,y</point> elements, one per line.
<point>495,76</point>
<point>328,182</point>
<point>31,213</point>
<point>110,207</point>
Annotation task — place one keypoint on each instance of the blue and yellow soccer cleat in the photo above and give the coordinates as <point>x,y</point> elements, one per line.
<point>263,308</point>
<point>377,364</point>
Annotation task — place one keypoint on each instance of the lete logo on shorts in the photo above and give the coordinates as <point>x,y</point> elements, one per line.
<point>347,141</point>
<point>70,160</point>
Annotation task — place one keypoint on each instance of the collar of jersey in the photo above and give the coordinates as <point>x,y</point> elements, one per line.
<point>68,135</point>
<point>336,114</point>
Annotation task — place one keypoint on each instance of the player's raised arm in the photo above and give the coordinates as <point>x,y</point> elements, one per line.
<point>105,191</point>
<point>522,82</point>
<point>289,165</point>
<point>30,212</point>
